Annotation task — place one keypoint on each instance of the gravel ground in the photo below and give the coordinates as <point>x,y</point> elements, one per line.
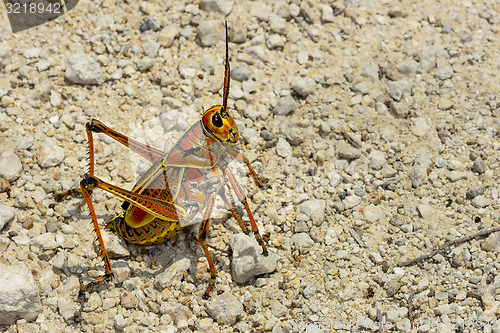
<point>376,123</point>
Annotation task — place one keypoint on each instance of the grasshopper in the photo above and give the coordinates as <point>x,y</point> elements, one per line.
<point>178,185</point>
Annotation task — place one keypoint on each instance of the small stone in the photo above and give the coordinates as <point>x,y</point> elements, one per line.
<point>67,308</point>
<point>285,105</point>
<point>225,309</point>
<point>283,148</point>
<point>371,71</point>
<point>260,11</point>
<point>392,316</point>
<point>399,109</point>
<point>33,52</point>
<point>481,201</point>
<point>426,211</point>
<point>395,89</point>
<point>171,103</point>
<point>149,24</point>
<point>43,65</point>
<point>408,67</point>
<point>327,14</point>
<point>351,201</point>
<point>420,126</point>
<point>376,257</point>
<point>222,7</point>
<point>303,86</point>
<point>278,309</point>
<point>248,260</point>
<point>143,64</point>
<point>210,32</point>
<point>46,241</point>
<point>372,213</point>
<point>19,298</point>
<point>445,104</point>
<point>314,209</point>
<point>10,165</point>
<point>172,273</point>
<point>388,172</point>
<point>129,300</point>
<point>309,290</point>
<point>5,55</point>
<point>240,73</point>
<point>277,24</point>
<point>443,73</point>
<point>188,73</point>
<point>151,48</point>
<point>475,190</point>
<point>119,322</point>
<point>348,153</point>
<point>479,167</point>
<point>274,41</point>
<point>376,160</point>
<point>392,287</point>
<point>115,245</point>
<point>55,99</point>
<point>167,35</point>
<point>302,240</point>
<point>179,313</point>
<point>83,69</point>
<point>330,236</point>
<point>50,154</point>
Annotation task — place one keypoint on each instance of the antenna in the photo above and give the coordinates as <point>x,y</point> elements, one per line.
<point>226,74</point>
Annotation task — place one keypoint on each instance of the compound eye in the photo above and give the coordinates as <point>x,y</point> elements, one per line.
<point>216,120</point>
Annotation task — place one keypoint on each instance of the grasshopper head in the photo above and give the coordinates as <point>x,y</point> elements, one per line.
<point>220,125</point>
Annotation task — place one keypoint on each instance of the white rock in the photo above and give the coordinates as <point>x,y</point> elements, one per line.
<point>83,69</point>
<point>240,73</point>
<point>425,210</point>
<point>420,126</point>
<point>481,201</point>
<point>19,298</point>
<point>55,99</point>
<point>188,73</point>
<point>67,308</point>
<point>225,309</point>
<point>274,41</point>
<point>248,260</point>
<point>10,165</point>
<point>210,32</point>
<point>172,273</point>
<point>303,86</point>
<point>6,215</point>
<point>46,241</point>
<point>283,148</point>
<point>373,213</point>
<point>314,209</point>
<point>277,24</point>
<point>492,243</point>
<point>351,201</point>
<point>302,240</point>
<point>222,7</point>
<point>327,14</point>
<point>285,105</point>
<point>443,73</point>
<point>376,160</point>
<point>50,154</point>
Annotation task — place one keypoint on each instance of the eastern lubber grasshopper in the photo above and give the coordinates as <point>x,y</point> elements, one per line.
<point>179,184</point>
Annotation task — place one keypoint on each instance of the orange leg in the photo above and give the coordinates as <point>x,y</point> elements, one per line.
<point>149,153</point>
<point>240,157</point>
<point>107,265</point>
<point>203,231</point>
<point>222,194</point>
<point>241,196</point>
